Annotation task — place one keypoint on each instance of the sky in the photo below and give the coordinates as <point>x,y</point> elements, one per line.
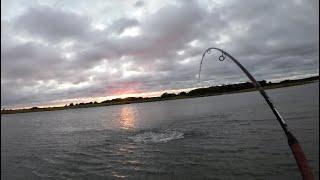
<point>54,52</point>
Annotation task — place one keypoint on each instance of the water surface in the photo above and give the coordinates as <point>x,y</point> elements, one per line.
<point>231,136</point>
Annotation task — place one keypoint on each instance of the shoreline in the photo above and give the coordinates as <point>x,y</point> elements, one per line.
<point>272,86</point>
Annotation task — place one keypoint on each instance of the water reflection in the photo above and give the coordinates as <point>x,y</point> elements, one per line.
<point>127,117</point>
<point>129,160</point>
<point>117,175</point>
<point>127,151</point>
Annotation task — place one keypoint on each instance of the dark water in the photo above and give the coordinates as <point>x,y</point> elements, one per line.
<point>223,137</point>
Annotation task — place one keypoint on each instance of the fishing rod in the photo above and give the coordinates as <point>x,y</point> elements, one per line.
<point>295,147</point>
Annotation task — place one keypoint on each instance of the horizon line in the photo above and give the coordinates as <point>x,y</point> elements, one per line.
<point>142,94</point>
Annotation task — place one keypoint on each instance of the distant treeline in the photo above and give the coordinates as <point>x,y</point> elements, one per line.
<point>213,90</point>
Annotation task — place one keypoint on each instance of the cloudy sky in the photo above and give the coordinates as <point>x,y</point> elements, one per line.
<point>60,51</point>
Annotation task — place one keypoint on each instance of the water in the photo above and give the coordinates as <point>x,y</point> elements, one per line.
<point>231,136</point>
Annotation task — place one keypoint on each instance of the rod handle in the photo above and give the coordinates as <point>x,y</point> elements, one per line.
<point>300,157</point>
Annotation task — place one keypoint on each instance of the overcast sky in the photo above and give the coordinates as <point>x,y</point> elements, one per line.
<point>62,51</point>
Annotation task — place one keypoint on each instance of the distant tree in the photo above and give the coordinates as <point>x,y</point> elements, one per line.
<point>71,104</point>
<point>34,108</point>
<point>286,81</point>
<point>95,102</point>
<point>263,83</point>
<point>166,95</point>
<point>130,99</point>
<point>106,101</point>
<point>116,100</point>
<point>182,93</point>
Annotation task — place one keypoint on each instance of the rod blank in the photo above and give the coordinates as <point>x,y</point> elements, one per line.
<point>295,147</point>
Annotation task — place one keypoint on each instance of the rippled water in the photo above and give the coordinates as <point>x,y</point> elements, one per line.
<point>220,137</point>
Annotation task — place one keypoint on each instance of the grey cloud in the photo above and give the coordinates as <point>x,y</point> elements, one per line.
<point>53,24</point>
<point>28,60</point>
<point>272,39</point>
<point>121,24</point>
<point>165,31</point>
<point>162,34</point>
<point>139,4</point>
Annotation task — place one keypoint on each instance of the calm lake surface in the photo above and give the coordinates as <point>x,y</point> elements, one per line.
<point>232,136</point>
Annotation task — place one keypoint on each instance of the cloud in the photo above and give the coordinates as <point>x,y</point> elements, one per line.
<point>77,50</point>
<point>53,24</point>
<point>121,24</point>
<point>139,4</point>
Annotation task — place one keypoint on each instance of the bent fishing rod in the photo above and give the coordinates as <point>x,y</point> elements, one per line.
<point>295,147</point>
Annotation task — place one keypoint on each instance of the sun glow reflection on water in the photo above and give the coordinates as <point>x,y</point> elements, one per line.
<point>127,117</point>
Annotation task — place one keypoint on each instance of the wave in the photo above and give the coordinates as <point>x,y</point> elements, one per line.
<point>157,137</point>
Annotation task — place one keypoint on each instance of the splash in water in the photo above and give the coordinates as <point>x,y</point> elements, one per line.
<point>157,137</point>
